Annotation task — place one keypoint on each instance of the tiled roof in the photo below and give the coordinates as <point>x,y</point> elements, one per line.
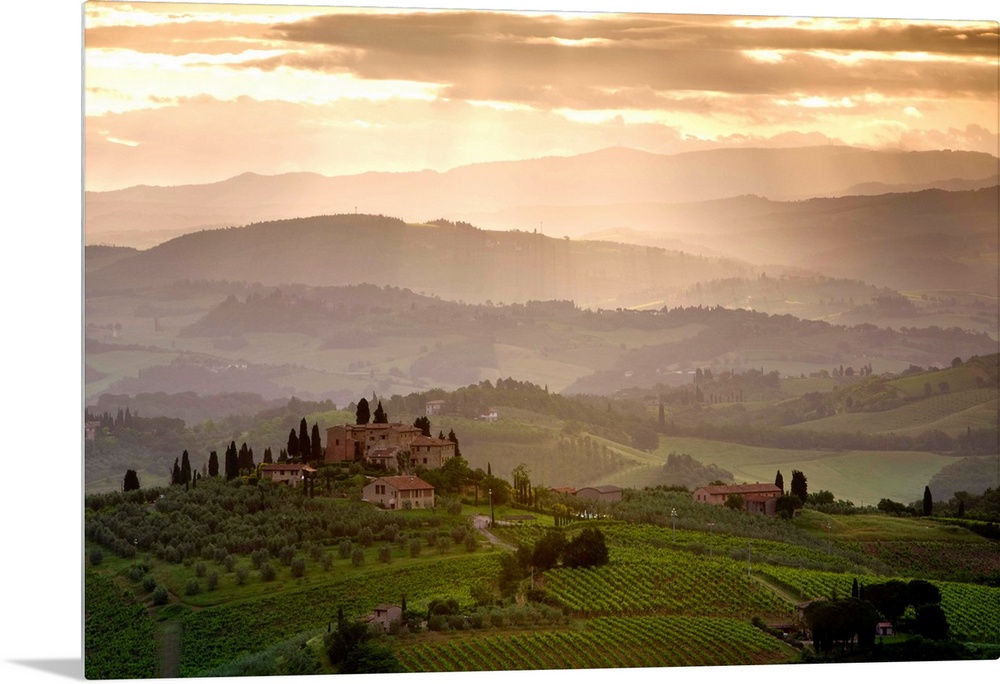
<point>401,482</point>
<point>288,466</point>
<point>430,441</point>
<point>756,488</point>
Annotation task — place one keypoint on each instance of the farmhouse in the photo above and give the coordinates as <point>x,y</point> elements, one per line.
<point>353,442</point>
<point>433,407</point>
<point>757,497</point>
<point>600,493</point>
<point>400,491</point>
<point>383,615</point>
<point>431,452</point>
<point>287,473</point>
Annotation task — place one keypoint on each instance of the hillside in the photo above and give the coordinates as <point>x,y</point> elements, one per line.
<point>453,261</point>
<point>472,193</point>
<point>341,342</point>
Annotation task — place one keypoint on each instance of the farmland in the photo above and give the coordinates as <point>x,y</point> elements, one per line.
<point>698,587</point>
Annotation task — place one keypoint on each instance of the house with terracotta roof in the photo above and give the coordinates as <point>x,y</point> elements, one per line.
<point>292,474</point>
<point>430,452</point>
<point>399,492</point>
<point>383,614</point>
<point>347,443</point>
<point>757,497</point>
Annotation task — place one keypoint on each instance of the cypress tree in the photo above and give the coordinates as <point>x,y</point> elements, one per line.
<point>928,501</point>
<point>779,482</point>
<point>363,414</point>
<point>185,468</point>
<point>317,447</point>
<point>131,481</point>
<point>305,446</point>
<point>380,415</point>
<point>293,445</point>
<point>213,464</point>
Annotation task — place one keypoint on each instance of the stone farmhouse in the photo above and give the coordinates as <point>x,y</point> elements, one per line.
<point>381,444</point>
<point>757,497</point>
<point>292,474</point>
<point>383,615</point>
<point>399,492</point>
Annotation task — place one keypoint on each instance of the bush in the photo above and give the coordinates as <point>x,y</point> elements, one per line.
<point>437,623</point>
<point>96,557</point>
<point>192,588</point>
<point>471,543</point>
<point>149,583</point>
<point>229,561</point>
<point>241,575</point>
<point>285,555</point>
<point>357,556</point>
<point>414,548</point>
<point>200,569</point>
<point>327,561</point>
<point>267,572</point>
<point>160,596</point>
<point>298,566</point>
<point>384,553</point>
<point>213,580</point>
<point>344,548</point>
<point>366,536</point>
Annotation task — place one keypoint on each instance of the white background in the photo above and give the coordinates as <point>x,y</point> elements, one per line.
<point>41,471</point>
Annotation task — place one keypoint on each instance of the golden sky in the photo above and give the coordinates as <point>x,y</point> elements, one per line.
<point>193,93</point>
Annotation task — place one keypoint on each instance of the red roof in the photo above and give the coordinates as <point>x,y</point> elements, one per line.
<point>288,466</point>
<point>430,441</point>
<point>407,482</point>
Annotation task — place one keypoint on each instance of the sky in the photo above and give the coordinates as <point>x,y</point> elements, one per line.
<point>195,93</point>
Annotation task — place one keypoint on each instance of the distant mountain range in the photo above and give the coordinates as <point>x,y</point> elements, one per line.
<point>931,239</point>
<point>536,194</point>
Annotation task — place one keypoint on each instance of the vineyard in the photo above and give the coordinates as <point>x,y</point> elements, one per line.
<point>604,643</point>
<point>119,632</point>
<point>973,610</point>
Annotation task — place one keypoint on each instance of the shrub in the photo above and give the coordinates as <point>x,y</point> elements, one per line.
<point>454,507</point>
<point>241,575</point>
<point>200,569</point>
<point>267,572</point>
<point>213,580</point>
<point>384,553</point>
<point>149,583</point>
<point>414,548</point>
<point>471,543</point>
<point>327,561</point>
<point>160,596</point>
<point>192,588</point>
<point>298,566</point>
<point>136,572</point>
<point>258,557</point>
<point>285,555</point>
<point>458,534</point>
<point>442,544</point>
<point>230,562</point>
<point>96,557</point>
<point>366,536</point>
<point>357,556</point>
<point>437,623</point>
<point>345,548</point>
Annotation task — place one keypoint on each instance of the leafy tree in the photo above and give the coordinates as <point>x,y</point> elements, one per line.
<point>779,481</point>
<point>920,592</point>
<point>548,549</point>
<point>586,550</point>
<point>424,423</point>
<point>799,488</point>
<point>928,501</point>
<point>131,481</point>
<point>380,417</point>
<point>370,658</point>
<point>735,502</point>
<point>786,505</point>
<point>213,464</point>
<point>348,636</point>
<point>363,415</point>
<point>930,621</point>
<point>890,598</point>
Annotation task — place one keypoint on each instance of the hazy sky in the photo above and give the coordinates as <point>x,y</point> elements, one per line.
<point>191,93</point>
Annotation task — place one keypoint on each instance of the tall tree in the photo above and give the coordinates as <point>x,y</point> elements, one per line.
<point>380,416</point>
<point>213,464</point>
<point>316,445</point>
<point>453,438</point>
<point>293,445</point>
<point>779,481</point>
<point>363,415</point>
<point>185,468</point>
<point>424,423</point>
<point>232,462</point>
<point>268,458</point>
<point>131,481</point>
<point>175,473</point>
<point>928,501</point>
<point>305,445</point>
<point>799,487</point>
